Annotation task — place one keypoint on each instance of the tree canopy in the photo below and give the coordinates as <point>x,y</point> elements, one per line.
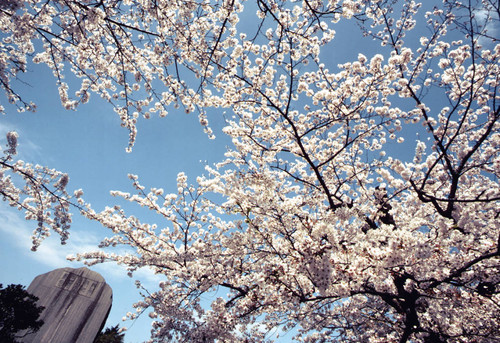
<point>324,218</point>
<point>19,313</point>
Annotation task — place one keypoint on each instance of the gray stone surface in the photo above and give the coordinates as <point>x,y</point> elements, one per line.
<point>77,303</point>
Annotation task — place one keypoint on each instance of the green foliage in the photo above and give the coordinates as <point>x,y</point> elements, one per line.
<point>18,311</point>
<point>110,335</point>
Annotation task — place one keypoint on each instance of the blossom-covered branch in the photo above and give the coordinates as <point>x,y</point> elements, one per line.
<point>38,191</point>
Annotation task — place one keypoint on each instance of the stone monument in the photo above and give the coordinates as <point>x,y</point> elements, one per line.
<point>77,303</point>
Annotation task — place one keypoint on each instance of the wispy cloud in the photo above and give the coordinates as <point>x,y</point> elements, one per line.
<point>4,128</point>
<point>27,149</point>
<point>16,232</point>
<point>51,253</point>
<point>491,27</point>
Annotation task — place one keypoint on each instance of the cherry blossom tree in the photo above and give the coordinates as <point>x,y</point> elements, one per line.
<point>318,220</point>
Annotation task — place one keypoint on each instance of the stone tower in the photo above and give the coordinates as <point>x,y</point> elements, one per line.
<point>77,303</point>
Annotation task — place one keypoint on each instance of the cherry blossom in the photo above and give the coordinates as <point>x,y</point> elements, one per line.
<point>318,221</point>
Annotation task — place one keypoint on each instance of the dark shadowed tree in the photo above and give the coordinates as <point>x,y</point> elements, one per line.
<point>18,312</point>
<point>110,335</point>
